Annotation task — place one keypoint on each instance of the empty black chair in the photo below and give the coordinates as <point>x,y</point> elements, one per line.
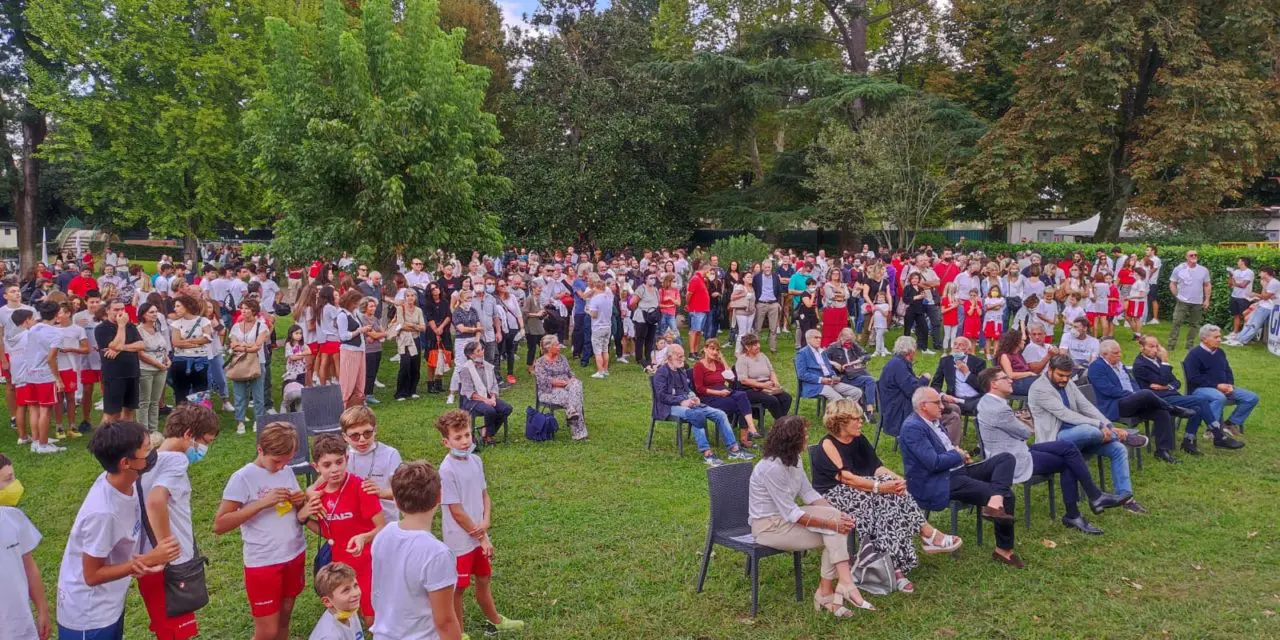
<point>301,461</point>
<point>729,527</point>
<point>880,419</point>
<point>322,407</point>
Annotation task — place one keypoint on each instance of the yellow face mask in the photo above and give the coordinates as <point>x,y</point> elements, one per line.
<point>343,616</point>
<point>11,494</point>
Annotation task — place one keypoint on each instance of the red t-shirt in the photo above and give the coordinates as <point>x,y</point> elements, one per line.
<point>81,285</point>
<point>1125,276</point>
<point>947,271</point>
<point>699,299</point>
<point>87,261</point>
<point>349,512</point>
<point>950,318</point>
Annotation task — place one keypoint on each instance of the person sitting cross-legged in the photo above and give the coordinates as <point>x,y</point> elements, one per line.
<point>958,375</point>
<point>1060,411</point>
<point>818,377</point>
<point>478,388</point>
<point>1119,396</point>
<point>1152,371</point>
<point>1209,376</point>
<point>675,397</point>
<point>938,472</point>
<point>848,357</point>
<point>1004,431</point>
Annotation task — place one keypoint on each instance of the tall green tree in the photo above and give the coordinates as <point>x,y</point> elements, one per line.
<point>485,43</point>
<point>608,148</point>
<point>148,112</point>
<point>371,137</point>
<point>23,126</point>
<point>1168,107</point>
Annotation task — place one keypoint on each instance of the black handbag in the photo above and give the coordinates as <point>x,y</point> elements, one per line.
<point>185,590</point>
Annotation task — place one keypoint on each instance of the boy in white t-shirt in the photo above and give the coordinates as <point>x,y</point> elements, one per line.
<point>91,363</point>
<point>101,552</point>
<point>73,346</point>
<point>413,572</point>
<point>340,594</point>
<point>264,501</point>
<point>366,457</point>
<point>464,494</point>
<point>18,539</point>
<point>40,376</point>
<point>16,353</point>
<point>10,331</point>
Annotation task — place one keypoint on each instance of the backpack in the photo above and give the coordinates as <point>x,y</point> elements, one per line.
<point>539,426</point>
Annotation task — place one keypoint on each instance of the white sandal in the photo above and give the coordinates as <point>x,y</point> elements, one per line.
<point>947,544</point>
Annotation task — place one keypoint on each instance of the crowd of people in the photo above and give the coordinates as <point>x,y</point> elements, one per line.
<point>209,336</point>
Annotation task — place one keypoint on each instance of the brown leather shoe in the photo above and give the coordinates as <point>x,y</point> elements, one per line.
<point>1013,560</point>
<point>991,513</point>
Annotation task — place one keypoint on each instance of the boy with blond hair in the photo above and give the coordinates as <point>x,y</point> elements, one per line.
<point>464,493</point>
<point>340,594</point>
<point>370,459</point>
<point>264,501</point>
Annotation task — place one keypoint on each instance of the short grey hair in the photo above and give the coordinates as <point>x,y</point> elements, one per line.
<point>1206,329</point>
<point>904,345</point>
<point>584,269</point>
<point>1108,345</point>
<point>1036,325</point>
<point>811,333</point>
<point>922,395</point>
<point>472,348</point>
<point>549,340</point>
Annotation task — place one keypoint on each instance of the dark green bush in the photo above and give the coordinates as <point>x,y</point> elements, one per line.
<point>1216,259</point>
<point>136,251</point>
<point>746,249</point>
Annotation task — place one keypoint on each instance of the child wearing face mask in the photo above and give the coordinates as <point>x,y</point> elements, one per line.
<point>18,540</point>
<point>880,321</point>
<point>188,432</point>
<point>465,517</point>
<point>101,552</point>
<point>340,594</point>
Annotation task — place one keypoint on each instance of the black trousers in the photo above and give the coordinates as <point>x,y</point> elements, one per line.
<point>493,416</point>
<point>407,378</point>
<point>582,338</point>
<point>644,342</point>
<point>185,384</point>
<point>1144,404</point>
<point>919,321</point>
<point>975,484</point>
<point>1064,458</point>
<point>507,350</point>
<point>532,344</point>
<point>934,312</point>
<point>372,360</point>
<point>777,405</point>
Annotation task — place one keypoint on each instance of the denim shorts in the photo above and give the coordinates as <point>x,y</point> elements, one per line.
<point>698,321</point>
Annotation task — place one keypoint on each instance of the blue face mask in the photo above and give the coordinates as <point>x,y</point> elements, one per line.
<point>463,453</point>
<point>197,453</point>
<point>488,288</point>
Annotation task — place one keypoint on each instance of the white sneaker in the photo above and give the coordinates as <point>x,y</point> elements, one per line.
<point>395,358</point>
<point>623,360</point>
<point>268,411</point>
<point>598,375</point>
<point>415,396</point>
<point>240,428</point>
<point>48,448</point>
<point>227,406</point>
<point>449,400</point>
<point>98,405</point>
<point>1232,342</point>
<point>378,384</point>
<point>1153,321</point>
<point>24,441</point>
<point>929,352</point>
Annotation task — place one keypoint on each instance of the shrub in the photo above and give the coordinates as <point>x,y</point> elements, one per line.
<point>1216,259</point>
<point>746,249</point>
<point>136,251</point>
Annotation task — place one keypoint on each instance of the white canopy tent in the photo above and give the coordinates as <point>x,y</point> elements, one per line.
<point>1087,227</point>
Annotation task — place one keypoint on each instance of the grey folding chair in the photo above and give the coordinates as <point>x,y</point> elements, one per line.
<point>301,461</point>
<point>322,407</point>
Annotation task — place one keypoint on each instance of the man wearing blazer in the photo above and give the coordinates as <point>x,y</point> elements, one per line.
<point>938,472</point>
<point>1152,371</point>
<point>769,292</point>
<point>957,376</point>
<point>818,377</point>
<point>1119,396</point>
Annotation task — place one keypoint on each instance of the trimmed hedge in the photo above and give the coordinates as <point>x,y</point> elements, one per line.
<point>136,251</point>
<point>1216,259</point>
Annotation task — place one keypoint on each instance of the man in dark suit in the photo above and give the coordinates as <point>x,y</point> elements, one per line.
<point>898,380</point>
<point>938,472</point>
<point>1119,396</point>
<point>1152,371</point>
<point>957,375</point>
<point>851,361</point>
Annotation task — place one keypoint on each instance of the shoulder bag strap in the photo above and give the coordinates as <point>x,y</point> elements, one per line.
<point>146,522</point>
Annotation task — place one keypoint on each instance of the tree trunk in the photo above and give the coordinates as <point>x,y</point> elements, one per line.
<point>780,139</point>
<point>753,153</point>
<point>26,201</point>
<point>191,244</point>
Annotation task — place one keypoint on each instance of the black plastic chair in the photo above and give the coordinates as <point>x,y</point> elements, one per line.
<point>729,527</point>
<point>1026,485</point>
<point>880,419</point>
<point>680,423</point>
<point>322,407</point>
<point>477,428</point>
<point>795,406</point>
<point>301,461</point>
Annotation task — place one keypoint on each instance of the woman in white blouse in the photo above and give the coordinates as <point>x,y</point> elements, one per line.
<point>776,521</point>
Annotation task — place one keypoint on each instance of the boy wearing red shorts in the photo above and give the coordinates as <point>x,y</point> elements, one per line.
<point>91,363</point>
<point>40,374</point>
<point>349,516</point>
<point>464,496</point>
<point>72,347</point>
<point>10,332</point>
<point>264,501</point>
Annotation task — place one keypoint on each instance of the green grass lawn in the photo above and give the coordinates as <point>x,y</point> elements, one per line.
<point>602,539</point>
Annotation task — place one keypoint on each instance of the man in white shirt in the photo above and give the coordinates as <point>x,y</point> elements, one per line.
<point>1266,302</point>
<point>417,278</point>
<point>1241,294</point>
<point>268,290</point>
<point>1192,289</point>
<point>1077,342</point>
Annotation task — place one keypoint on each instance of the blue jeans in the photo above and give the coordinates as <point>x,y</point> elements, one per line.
<point>1088,438</point>
<point>698,416</point>
<point>868,386</point>
<point>1257,325</point>
<point>245,389</point>
<point>1202,406</point>
<point>665,322</point>
<point>218,378</point>
<point>1244,399</point>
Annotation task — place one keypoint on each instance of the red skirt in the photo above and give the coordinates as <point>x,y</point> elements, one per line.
<point>834,320</point>
<point>1136,308</point>
<point>330,347</point>
<point>993,329</point>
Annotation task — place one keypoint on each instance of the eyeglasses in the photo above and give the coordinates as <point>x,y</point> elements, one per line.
<point>937,402</point>
<point>362,435</point>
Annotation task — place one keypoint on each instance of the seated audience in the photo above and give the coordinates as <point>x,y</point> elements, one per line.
<point>776,521</point>
<point>558,387</point>
<point>1076,341</point>
<point>1119,397</point>
<point>1004,431</point>
<point>1209,376</point>
<point>847,472</point>
<point>756,375</point>
<point>1152,371</point>
<point>818,377</point>
<point>478,390</point>
<point>938,472</point>
<point>1265,301</point>
<point>1010,360</point>
<point>897,382</point>
<point>1060,411</point>
<point>959,375</point>
<point>1037,351</point>
<point>711,378</point>
<point>674,396</point>
<point>848,358</point>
